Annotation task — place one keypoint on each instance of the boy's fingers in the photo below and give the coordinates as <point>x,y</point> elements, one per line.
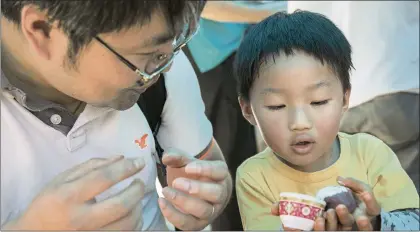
<point>364,193</point>
<point>275,208</point>
<point>364,224</point>
<point>345,218</point>
<point>319,224</point>
<point>332,222</point>
<point>355,185</point>
<point>372,206</point>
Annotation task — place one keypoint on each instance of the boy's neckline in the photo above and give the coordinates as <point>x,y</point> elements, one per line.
<point>332,158</point>
<point>329,172</point>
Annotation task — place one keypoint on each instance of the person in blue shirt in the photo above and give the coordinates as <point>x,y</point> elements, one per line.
<point>212,51</point>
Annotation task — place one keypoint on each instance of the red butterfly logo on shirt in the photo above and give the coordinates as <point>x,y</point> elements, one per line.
<point>142,141</point>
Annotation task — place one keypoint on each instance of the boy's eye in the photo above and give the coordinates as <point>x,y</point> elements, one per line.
<point>319,103</point>
<point>279,107</point>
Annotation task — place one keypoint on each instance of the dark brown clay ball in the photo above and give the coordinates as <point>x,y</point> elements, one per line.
<point>337,195</point>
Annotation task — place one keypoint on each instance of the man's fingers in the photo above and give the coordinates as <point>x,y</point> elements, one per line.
<point>131,222</point>
<point>86,167</point>
<point>319,224</point>
<point>275,209</point>
<point>118,206</point>
<point>331,220</point>
<point>123,224</point>
<point>176,160</point>
<point>364,224</point>
<point>178,219</point>
<point>190,205</point>
<point>99,180</point>
<point>355,185</point>
<point>215,170</point>
<point>212,192</point>
<point>344,217</point>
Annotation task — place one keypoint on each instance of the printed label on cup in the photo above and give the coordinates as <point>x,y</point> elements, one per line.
<point>298,209</point>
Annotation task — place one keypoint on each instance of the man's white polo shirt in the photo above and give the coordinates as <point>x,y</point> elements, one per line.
<point>33,153</point>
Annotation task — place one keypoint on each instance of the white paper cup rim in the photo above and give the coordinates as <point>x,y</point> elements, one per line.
<point>302,197</point>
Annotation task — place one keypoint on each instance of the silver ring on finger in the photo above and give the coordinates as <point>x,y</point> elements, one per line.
<point>212,211</point>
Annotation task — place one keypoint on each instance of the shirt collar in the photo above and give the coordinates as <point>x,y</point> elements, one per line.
<point>31,101</point>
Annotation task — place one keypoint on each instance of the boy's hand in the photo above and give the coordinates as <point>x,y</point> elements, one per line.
<point>333,220</point>
<point>368,210</point>
<point>275,209</point>
<point>345,220</point>
<point>364,216</point>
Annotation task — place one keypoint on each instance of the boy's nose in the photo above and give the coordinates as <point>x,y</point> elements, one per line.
<point>299,120</point>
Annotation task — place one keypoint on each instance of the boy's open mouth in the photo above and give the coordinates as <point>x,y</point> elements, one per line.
<point>302,143</point>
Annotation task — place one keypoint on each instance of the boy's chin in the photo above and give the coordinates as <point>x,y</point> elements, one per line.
<point>306,163</point>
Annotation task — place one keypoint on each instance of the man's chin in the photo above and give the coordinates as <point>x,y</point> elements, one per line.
<point>116,105</point>
<point>122,105</point>
<point>124,101</point>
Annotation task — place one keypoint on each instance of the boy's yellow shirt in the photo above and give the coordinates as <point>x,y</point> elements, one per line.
<point>261,179</point>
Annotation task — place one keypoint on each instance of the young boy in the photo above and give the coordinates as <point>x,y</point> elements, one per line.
<point>293,83</point>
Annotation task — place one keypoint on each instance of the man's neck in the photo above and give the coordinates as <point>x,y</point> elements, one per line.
<point>22,76</point>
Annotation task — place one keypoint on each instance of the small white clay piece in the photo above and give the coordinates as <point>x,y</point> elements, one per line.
<point>337,195</point>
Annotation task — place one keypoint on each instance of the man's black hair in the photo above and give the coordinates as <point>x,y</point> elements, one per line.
<point>284,33</point>
<point>83,20</point>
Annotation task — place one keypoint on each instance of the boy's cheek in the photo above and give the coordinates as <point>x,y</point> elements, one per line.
<point>275,138</point>
<point>328,125</point>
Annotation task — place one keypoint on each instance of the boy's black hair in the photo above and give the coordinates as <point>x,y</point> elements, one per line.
<point>284,33</point>
<point>82,20</point>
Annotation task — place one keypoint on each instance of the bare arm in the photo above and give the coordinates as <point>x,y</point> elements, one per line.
<point>228,11</point>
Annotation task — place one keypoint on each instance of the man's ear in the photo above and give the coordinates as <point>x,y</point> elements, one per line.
<point>36,29</point>
<point>247,110</point>
<point>346,100</point>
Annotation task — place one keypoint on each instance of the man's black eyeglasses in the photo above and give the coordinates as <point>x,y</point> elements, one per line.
<point>156,65</point>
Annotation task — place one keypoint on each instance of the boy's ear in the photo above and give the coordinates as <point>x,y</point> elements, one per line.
<point>247,110</point>
<point>346,100</point>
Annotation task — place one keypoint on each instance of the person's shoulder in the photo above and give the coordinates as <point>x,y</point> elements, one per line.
<point>181,80</point>
<point>256,163</point>
<point>181,70</point>
<point>366,147</point>
<point>361,140</point>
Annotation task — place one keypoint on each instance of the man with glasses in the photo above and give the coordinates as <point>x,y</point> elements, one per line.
<point>76,150</point>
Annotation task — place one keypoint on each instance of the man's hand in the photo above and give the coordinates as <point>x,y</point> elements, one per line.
<point>195,199</point>
<point>68,202</point>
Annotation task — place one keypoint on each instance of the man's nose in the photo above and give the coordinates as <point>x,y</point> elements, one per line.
<point>299,120</point>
